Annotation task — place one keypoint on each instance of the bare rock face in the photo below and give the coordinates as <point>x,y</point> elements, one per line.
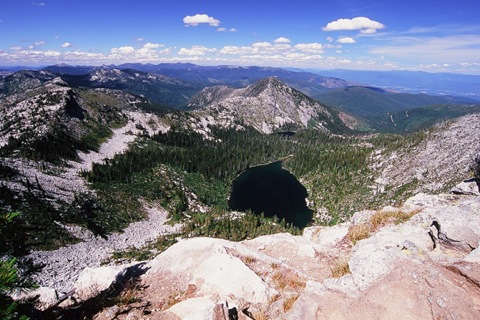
<point>436,163</point>
<point>418,261</point>
<point>467,187</point>
<point>266,105</point>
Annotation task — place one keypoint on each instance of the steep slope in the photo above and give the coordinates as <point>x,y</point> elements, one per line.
<point>268,105</point>
<point>429,161</point>
<point>48,135</point>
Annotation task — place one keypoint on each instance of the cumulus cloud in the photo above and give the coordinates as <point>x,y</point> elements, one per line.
<point>310,47</point>
<point>39,43</point>
<point>195,51</point>
<point>233,30</point>
<point>148,52</point>
<point>346,40</point>
<point>364,24</point>
<point>200,19</point>
<point>150,45</point>
<point>234,50</point>
<point>123,50</point>
<point>282,40</point>
<point>66,45</point>
<point>368,31</point>
<point>262,45</point>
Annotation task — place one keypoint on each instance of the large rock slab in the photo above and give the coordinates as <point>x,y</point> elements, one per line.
<point>427,267</point>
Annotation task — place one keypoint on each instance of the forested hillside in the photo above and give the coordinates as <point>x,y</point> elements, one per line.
<point>184,161</point>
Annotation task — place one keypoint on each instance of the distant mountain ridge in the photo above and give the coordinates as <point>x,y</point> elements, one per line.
<point>161,89</point>
<point>173,86</point>
<point>383,110</point>
<point>466,85</point>
<point>235,76</point>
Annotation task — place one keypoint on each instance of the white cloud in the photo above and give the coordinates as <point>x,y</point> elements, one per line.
<point>310,47</point>
<point>195,51</point>
<point>262,45</point>
<point>200,18</point>
<point>123,50</point>
<point>282,40</point>
<point>51,53</point>
<point>39,43</point>
<point>150,45</point>
<point>364,24</point>
<point>329,39</point>
<point>148,52</point>
<point>225,30</point>
<point>66,45</point>
<point>282,46</point>
<point>368,31</point>
<point>346,40</point>
<point>16,48</point>
<point>236,50</point>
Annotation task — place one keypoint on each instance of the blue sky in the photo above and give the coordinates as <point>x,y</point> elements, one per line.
<point>434,36</point>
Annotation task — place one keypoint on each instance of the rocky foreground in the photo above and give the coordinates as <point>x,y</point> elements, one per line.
<point>419,261</point>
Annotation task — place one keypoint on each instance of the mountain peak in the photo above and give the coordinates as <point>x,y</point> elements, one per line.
<point>269,83</point>
<point>267,105</point>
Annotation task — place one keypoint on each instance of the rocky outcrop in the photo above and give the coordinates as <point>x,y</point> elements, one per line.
<point>267,105</point>
<point>418,261</point>
<point>61,268</point>
<point>433,163</point>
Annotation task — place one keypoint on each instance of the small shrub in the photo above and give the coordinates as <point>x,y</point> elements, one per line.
<point>129,293</point>
<point>249,259</point>
<point>274,298</point>
<point>260,315</point>
<point>379,219</point>
<point>288,303</point>
<point>340,268</point>
<point>288,280</point>
<point>173,298</point>
<point>358,232</point>
<point>274,266</point>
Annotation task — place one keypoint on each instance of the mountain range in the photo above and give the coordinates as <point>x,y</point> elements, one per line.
<point>465,85</point>
<point>367,107</point>
<point>96,160</point>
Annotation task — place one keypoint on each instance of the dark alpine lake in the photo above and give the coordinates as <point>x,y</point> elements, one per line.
<point>272,190</point>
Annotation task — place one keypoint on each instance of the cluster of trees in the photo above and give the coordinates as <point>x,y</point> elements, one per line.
<point>9,274</point>
<point>235,227</point>
<point>228,154</point>
<point>208,166</point>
